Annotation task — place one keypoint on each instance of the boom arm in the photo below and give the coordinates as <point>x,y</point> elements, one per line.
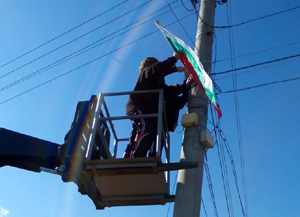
<point>27,152</point>
<point>30,153</point>
<point>34,154</point>
<point>86,160</point>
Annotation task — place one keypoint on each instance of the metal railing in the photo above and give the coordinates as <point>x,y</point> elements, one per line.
<point>99,117</point>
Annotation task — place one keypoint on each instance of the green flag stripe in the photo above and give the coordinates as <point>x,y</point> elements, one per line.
<point>208,89</point>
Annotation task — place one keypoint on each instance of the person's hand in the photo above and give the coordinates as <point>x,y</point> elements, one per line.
<point>186,73</point>
<point>189,81</point>
<point>180,68</point>
<point>177,55</point>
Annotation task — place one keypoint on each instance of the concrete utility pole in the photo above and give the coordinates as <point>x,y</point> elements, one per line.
<point>189,183</point>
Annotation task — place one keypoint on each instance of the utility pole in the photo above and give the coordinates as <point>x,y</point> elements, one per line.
<point>189,183</point>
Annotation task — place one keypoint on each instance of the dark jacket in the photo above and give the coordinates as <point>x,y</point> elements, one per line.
<point>152,77</point>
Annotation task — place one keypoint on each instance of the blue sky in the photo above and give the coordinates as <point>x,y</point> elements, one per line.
<point>268,115</point>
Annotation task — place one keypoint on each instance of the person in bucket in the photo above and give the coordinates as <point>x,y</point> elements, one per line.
<point>152,76</point>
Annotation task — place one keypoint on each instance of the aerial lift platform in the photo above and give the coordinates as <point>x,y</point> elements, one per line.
<point>85,157</point>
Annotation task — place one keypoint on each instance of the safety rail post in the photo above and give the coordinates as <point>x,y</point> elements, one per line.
<point>162,137</point>
<point>158,116</point>
<point>110,119</point>
<point>98,119</point>
<point>108,115</point>
<point>94,128</point>
<point>159,123</point>
<point>115,148</point>
<point>167,147</point>
<point>102,137</point>
<point>117,145</point>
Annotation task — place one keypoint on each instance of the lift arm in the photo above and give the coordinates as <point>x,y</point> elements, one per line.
<point>85,159</point>
<point>27,152</point>
<point>31,153</point>
<point>68,160</point>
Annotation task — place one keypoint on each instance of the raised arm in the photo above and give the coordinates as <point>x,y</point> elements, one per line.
<point>167,66</point>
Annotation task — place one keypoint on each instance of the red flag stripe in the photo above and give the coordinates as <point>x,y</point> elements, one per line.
<point>192,72</point>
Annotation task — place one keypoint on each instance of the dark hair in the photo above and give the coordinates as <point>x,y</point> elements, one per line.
<point>148,62</point>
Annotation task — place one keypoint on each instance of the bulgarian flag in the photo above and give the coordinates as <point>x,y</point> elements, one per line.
<point>193,64</point>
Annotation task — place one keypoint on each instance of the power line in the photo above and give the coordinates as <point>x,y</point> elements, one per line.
<point>186,7</point>
<point>257,52</point>
<point>212,73</point>
<point>84,49</point>
<point>202,203</point>
<point>70,30</point>
<point>46,54</point>
<point>249,21</point>
<point>210,186</point>
<point>180,23</point>
<point>234,82</point>
<point>87,63</point>
<point>257,64</point>
<point>221,142</point>
<point>229,152</point>
<point>259,85</point>
<point>225,142</point>
<point>224,175</point>
<point>251,70</point>
<point>238,119</point>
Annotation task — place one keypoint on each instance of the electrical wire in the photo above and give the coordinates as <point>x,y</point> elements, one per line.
<point>219,134</point>
<point>260,85</point>
<point>213,64</point>
<point>72,41</point>
<point>257,64</point>
<point>255,70</point>
<point>224,174</point>
<point>237,106</point>
<point>210,185</point>
<point>70,30</point>
<point>181,24</point>
<point>257,52</point>
<point>87,63</point>
<point>203,205</point>
<point>248,21</point>
<point>66,58</point>
<point>221,140</point>
<point>229,152</point>
<point>85,49</point>
<point>186,7</point>
<point>236,101</point>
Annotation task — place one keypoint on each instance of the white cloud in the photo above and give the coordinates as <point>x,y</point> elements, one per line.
<point>3,212</point>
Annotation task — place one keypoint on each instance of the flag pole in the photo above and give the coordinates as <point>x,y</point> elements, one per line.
<point>189,182</point>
